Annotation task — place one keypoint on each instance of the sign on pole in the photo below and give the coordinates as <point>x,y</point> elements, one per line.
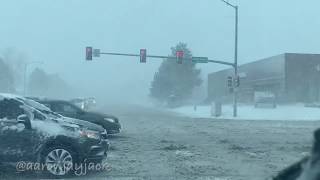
<point>200,59</point>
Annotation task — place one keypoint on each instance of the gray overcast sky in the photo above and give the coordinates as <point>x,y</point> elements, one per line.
<point>56,32</point>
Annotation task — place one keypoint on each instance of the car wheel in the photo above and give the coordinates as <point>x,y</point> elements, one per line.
<point>58,161</point>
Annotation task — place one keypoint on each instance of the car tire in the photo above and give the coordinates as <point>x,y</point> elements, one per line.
<point>58,161</point>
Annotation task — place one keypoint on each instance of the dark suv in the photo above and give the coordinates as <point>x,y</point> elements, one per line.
<point>31,132</point>
<point>110,123</point>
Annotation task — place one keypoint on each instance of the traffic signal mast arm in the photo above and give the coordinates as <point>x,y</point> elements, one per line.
<point>171,57</point>
<point>138,55</point>
<point>222,62</point>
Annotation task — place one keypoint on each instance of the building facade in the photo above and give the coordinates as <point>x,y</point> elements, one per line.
<point>291,77</point>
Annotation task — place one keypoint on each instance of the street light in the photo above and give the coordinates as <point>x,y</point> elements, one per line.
<point>235,93</point>
<point>25,74</point>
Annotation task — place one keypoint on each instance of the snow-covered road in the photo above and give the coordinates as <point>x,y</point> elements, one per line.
<point>295,112</point>
<point>158,144</point>
<point>161,145</point>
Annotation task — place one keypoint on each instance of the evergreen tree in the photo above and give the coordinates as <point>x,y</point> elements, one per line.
<point>48,85</point>
<point>175,80</point>
<point>38,84</point>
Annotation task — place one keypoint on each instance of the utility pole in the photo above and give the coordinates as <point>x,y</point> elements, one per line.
<point>235,91</point>
<point>25,75</point>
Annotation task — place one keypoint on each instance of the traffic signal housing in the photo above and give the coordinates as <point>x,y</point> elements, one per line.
<point>230,82</point>
<point>143,55</point>
<point>237,81</point>
<point>179,55</point>
<point>89,53</point>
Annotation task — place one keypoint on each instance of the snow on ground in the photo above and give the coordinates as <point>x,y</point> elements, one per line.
<point>249,112</point>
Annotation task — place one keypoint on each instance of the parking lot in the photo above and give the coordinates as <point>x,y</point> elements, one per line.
<point>156,144</point>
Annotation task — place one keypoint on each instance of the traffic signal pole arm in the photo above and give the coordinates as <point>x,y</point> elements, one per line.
<point>221,62</point>
<point>137,55</point>
<point>229,4</point>
<point>168,57</point>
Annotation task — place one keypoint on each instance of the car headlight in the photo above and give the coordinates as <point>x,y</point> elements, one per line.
<point>90,134</point>
<point>110,120</point>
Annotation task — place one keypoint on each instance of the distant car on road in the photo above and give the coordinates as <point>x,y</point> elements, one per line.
<point>110,123</point>
<point>31,132</point>
<point>263,99</point>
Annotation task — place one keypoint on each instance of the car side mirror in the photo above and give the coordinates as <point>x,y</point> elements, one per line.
<point>24,119</point>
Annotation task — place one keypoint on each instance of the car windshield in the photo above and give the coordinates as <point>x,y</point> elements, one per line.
<point>161,89</point>
<point>42,108</point>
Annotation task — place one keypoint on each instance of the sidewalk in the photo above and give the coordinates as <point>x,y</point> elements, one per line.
<point>294,112</point>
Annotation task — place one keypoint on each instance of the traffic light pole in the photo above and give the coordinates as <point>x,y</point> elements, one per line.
<point>235,103</point>
<point>235,92</point>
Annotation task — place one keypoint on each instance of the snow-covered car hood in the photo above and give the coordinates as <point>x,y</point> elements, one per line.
<point>80,123</point>
<point>102,116</point>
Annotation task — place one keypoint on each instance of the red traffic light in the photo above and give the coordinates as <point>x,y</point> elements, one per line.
<point>88,53</point>
<point>179,55</point>
<point>143,55</point>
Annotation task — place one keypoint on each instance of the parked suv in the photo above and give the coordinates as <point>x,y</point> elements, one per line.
<point>31,132</point>
<point>110,123</point>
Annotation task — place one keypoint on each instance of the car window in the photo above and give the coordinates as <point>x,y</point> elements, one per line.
<point>65,108</point>
<point>10,109</point>
<point>38,115</point>
<point>47,105</point>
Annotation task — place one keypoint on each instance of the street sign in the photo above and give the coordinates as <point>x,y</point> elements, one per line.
<point>179,55</point>
<point>89,53</point>
<point>143,55</point>
<point>96,52</point>
<point>200,59</point>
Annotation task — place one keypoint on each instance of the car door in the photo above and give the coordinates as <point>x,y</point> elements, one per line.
<point>16,140</point>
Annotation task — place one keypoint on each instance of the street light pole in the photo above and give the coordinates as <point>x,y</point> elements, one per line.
<point>25,79</point>
<point>25,75</point>
<point>235,89</point>
<point>235,111</point>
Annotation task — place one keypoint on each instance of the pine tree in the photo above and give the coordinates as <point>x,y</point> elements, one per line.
<point>175,80</point>
<point>38,84</point>
<point>6,78</point>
